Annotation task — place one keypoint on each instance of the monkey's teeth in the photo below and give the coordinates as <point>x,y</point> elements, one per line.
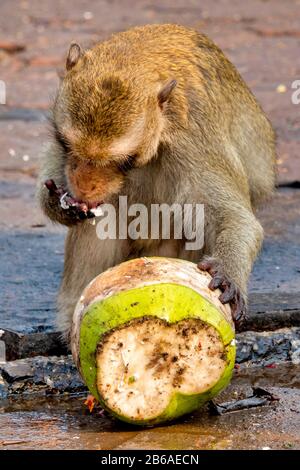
<point>97,211</point>
<point>63,203</point>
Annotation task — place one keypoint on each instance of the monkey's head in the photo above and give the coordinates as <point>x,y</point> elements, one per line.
<point>107,123</point>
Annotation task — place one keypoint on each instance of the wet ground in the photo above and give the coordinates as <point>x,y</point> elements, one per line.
<point>66,423</point>
<point>262,38</point>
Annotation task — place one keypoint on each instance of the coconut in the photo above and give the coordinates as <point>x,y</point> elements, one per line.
<point>152,341</point>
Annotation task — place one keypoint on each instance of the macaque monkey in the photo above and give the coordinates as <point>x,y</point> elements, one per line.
<point>160,115</point>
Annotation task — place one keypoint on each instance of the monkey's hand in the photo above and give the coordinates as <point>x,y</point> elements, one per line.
<point>74,210</point>
<point>230,292</point>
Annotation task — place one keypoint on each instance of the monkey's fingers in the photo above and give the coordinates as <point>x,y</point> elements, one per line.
<point>218,277</point>
<point>51,186</point>
<point>80,211</point>
<point>216,282</point>
<point>239,310</point>
<point>206,266</point>
<point>75,212</point>
<point>53,189</point>
<point>228,293</point>
<point>232,295</point>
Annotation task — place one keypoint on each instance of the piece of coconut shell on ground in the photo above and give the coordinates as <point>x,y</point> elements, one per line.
<point>152,341</point>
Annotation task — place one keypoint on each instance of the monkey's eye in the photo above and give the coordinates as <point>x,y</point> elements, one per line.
<point>60,138</point>
<point>128,164</point>
<point>63,142</point>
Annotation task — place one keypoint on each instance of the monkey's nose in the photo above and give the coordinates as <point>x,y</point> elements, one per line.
<point>86,192</point>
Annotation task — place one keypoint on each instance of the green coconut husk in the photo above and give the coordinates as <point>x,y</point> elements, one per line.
<point>152,341</point>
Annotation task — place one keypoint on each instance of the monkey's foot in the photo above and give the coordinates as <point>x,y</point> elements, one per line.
<point>77,210</point>
<point>230,292</point>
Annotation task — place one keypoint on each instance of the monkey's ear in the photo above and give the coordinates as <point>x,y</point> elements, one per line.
<point>74,54</point>
<point>166,91</point>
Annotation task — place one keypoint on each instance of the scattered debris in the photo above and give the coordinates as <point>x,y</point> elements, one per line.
<point>260,397</point>
<point>262,392</point>
<point>12,443</point>
<point>274,33</point>
<point>12,47</point>
<point>290,184</point>
<point>281,88</point>
<point>90,402</point>
<point>88,15</point>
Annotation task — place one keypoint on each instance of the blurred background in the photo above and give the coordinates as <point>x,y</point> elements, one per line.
<point>261,37</point>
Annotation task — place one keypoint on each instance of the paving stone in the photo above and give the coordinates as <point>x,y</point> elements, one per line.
<point>18,345</point>
<point>30,281</point>
<point>41,375</point>
<point>268,347</point>
<point>17,371</point>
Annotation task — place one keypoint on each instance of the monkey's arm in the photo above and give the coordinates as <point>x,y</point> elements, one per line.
<point>238,240</point>
<point>54,200</point>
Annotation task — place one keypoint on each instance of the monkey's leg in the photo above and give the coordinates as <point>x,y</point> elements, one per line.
<point>237,244</point>
<point>86,256</point>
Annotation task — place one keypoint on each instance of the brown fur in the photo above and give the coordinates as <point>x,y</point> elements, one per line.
<point>209,142</point>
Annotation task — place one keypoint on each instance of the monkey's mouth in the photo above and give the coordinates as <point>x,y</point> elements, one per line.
<point>67,201</point>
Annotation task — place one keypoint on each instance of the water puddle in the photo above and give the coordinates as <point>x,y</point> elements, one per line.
<point>65,423</point>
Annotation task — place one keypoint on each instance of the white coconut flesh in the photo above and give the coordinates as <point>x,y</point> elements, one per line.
<point>142,364</point>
